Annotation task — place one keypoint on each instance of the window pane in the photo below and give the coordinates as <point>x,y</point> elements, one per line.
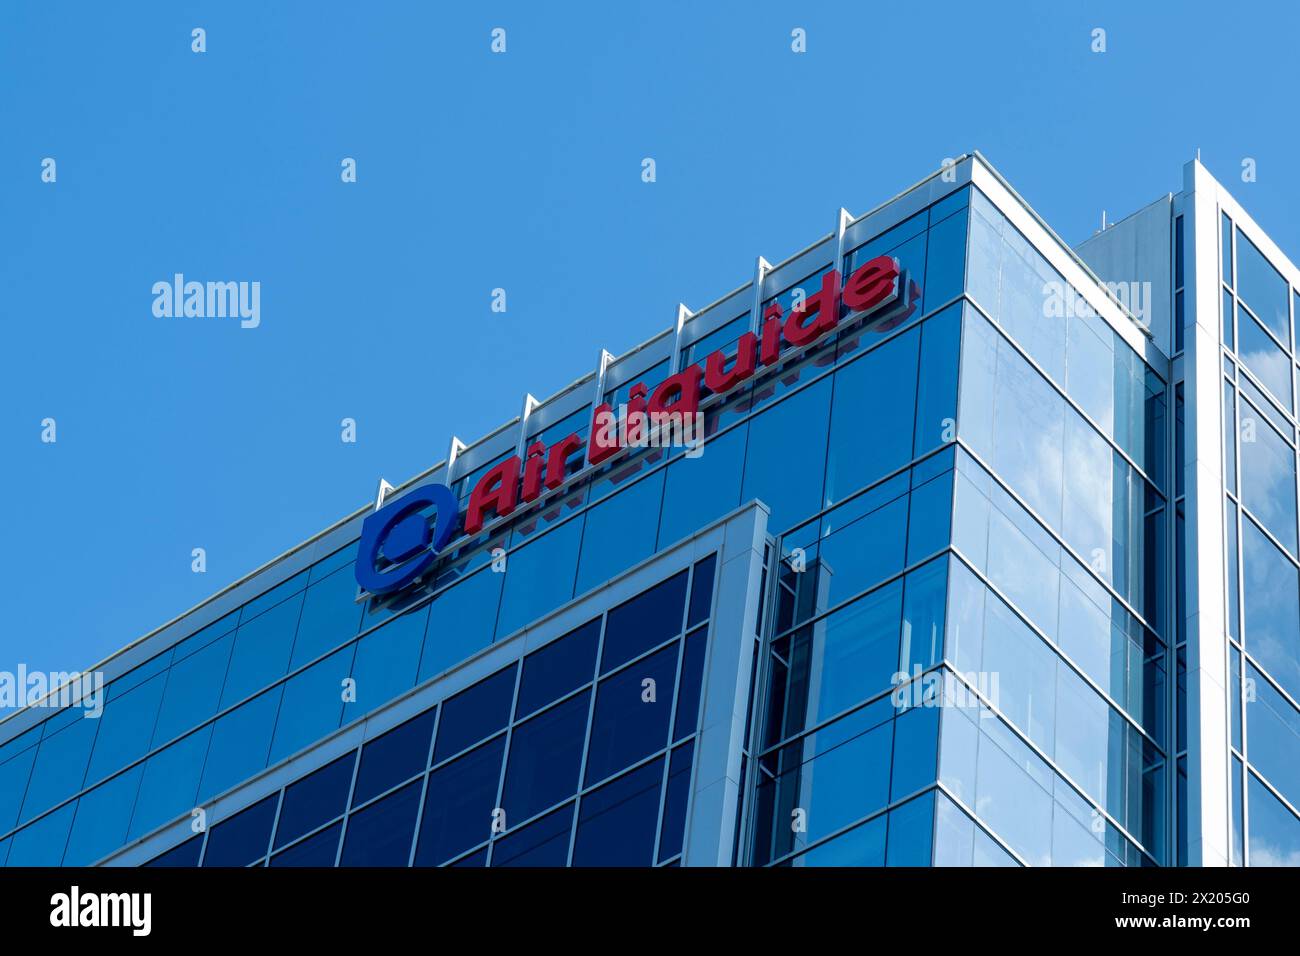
<point>1262,288</point>
<point>386,663</point>
<point>475,713</point>
<point>620,531</point>
<point>330,615</point>
<point>315,799</point>
<point>702,489</point>
<point>187,854</point>
<point>911,830</point>
<point>170,780</point>
<point>60,766</point>
<point>244,837</point>
<point>1274,729</point>
<point>543,842</point>
<point>125,728</point>
<point>462,621</point>
<point>545,757</point>
<point>539,576</point>
<point>241,741</point>
<point>862,846</point>
<point>1268,476</point>
<point>616,823</point>
<point>631,718</point>
<point>262,649</point>
<point>561,666</point>
<point>688,697</point>
<point>867,443</point>
<point>1271,602</point>
<point>193,691</point>
<point>380,835</point>
<point>103,816</point>
<point>1274,830</point>
<point>644,622</point>
<point>675,801</point>
<point>317,850</point>
<point>1261,355</point>
<point>395,757</point>
<point>788,428</point>
<point>458,807</point>
<point>313,701</point>
<point>701,590</point>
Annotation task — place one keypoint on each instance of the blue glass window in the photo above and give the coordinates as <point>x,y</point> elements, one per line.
<point>475,713</point>
<point>784,460</point>
<point>644,622</point>
<point>14,773</point>
<point>386,663</point>
<point>193,691</point>
<point>616,823</point>
<point>688,697</point>
<point>872,419</point>
<point>1264,358</point>
<point>331,614</point>
<point>125,728</point>
<point>701,590</point>
<point>244,837</point>
<point>103,816</point>
<point>539,576</point>
<point>620,531</point>
<point>543,842</point>
<point>1263,289</point>
<point>545,757</point>
<point>1268,476</point>
<point>320,849</point>
<point>626,725</point>
<point>262,650</point>
<point>462,621</point>
<point>916,746</point>
<point>1271,605</point>
<point>864,845</point>
<point>187,854</point>
<point>171,777</point>
<point>1274,727</point>
<point>459,804</point>
<point>1274,830</point>
<point>241,742</point>
<point>315,799</point>
<point>396,756</point>
<point>561,666</point>
<point>911,832</point>
<point>945,260</point>
<point>60,765</point>
<point>380,834</point>
<point>42,843</point>
<point>700,490</point>
<point>313,701</point>
<point>675,802</point>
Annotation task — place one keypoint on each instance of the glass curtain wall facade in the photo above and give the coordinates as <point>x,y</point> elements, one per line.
<point>971,627</point>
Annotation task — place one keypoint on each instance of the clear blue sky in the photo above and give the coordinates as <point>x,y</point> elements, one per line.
<point>476,171</point>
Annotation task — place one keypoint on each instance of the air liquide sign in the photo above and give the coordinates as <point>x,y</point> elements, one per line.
<point>399,542</point>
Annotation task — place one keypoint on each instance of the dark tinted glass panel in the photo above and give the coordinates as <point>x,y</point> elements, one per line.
<point>644,622</point>
<point>476,859</point>
<point>244,837</point>
<point>559,667</point>
<point>396,756</point>
<point>380,835</point>
<point>616,823</point>
<point>688,699</point>
<point>544,842</point>
<point>475,713</point>
<point>315,799</point>
<point>545,756</point>
<point>262,648</point>
<point>317,850</point>
<point>187,854</point>
<point>630,722</point>
<point>679,791</point>
<point>701,591</point>
<point>459,805</point>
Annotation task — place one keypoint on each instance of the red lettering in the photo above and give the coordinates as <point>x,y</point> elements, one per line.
<point>871,284</point>
<point>604,434</point>
<point>557,460</point>
<point>498,490</point>
<point>678,393</point>
<point>534,469</point>
<point>824,305</point>
<point>742,367</point>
